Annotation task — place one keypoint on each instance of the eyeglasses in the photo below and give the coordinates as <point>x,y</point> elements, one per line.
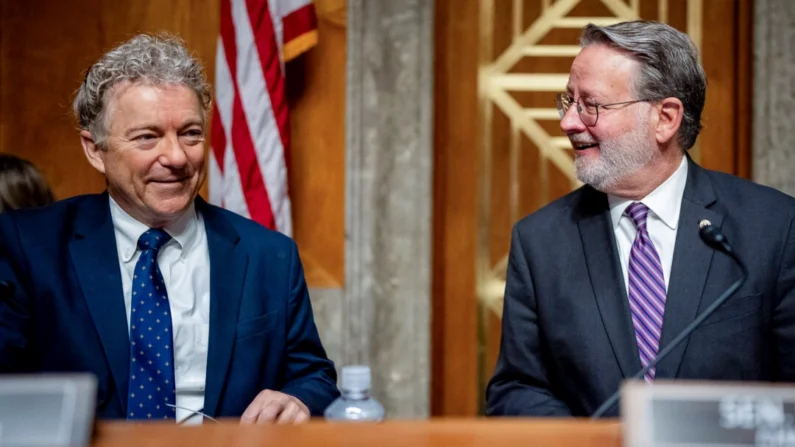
<point>587,108</point>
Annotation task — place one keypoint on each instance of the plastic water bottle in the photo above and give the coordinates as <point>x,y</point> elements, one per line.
<point>355,404</point>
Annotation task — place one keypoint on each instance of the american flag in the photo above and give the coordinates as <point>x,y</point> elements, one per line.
<point>250,123</point>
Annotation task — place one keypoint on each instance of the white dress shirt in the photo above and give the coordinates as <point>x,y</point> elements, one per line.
<point>664,205</point>
<point>185,264</point>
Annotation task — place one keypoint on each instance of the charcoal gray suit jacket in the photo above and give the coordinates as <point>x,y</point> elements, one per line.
<point>567,334</point>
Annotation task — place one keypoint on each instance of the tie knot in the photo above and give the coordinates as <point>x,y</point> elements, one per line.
<point>638,212</point>
<point>153,239</point>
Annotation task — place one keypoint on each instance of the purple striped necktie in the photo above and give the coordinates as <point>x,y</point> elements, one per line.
<point>646,289</point>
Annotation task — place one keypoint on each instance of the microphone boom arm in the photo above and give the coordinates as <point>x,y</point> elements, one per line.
<point>721,245</point>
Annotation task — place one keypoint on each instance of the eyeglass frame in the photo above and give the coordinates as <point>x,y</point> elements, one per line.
<point>559,103</point>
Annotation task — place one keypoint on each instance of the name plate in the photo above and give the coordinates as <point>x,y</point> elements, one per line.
<point>700,414</point>
<point>51,410</point>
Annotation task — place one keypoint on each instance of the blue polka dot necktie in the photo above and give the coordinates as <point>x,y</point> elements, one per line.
<point>151,350</point>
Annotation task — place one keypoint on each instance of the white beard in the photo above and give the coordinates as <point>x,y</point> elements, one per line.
<point>618,158</point>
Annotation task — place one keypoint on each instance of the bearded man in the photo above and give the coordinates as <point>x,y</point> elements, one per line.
<point>603,278</point>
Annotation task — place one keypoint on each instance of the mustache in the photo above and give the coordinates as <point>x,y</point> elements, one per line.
<point>582,139</point>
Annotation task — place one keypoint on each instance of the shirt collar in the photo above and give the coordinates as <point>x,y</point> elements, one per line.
<point>183,231</point>
<point>665,201</point>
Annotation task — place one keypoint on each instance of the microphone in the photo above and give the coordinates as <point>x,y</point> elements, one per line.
<point>714,238</point>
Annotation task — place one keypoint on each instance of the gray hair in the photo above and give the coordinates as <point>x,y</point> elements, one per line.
<point>669,66</point>
<point>158,59</point>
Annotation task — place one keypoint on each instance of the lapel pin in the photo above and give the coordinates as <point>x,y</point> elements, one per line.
<point>703,223</point>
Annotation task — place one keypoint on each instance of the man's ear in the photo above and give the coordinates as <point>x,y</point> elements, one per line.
<point>93,152</point>
<point>671,112</point>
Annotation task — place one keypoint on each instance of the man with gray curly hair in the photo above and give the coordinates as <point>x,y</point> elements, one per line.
<point>179,308</point>
<point>603,278</point>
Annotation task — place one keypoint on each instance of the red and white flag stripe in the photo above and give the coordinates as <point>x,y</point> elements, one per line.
<point>250,124</point>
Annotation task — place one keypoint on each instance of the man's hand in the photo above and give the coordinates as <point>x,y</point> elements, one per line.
<point>273,406</point>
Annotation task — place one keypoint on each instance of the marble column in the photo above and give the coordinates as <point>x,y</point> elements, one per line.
<point>774,94</point>
<point>385,319</point>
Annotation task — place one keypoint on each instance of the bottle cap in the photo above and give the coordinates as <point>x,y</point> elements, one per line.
<point>356,378</point>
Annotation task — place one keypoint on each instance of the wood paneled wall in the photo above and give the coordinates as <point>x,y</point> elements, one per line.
<point>317,171</point>
<point>454,382</point>
<point>45,49</point>
<point>46,46</point>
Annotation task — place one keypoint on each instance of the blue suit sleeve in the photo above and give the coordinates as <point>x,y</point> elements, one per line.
<point>14,313</point>
<point>310,375</point>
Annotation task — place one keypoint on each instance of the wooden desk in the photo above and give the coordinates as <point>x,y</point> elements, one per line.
<point>441,432</point>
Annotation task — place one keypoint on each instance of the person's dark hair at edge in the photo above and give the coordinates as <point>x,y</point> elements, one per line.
<point>22,185</point>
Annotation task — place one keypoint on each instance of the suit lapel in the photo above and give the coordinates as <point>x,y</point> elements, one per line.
<point>228,263</point>
<point>96,262</point>
<point>604,269</point>
<point>690,265</point>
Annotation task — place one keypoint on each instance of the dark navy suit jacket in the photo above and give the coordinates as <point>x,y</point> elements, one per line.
<point>567,336</point>
<point>67,311</point>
